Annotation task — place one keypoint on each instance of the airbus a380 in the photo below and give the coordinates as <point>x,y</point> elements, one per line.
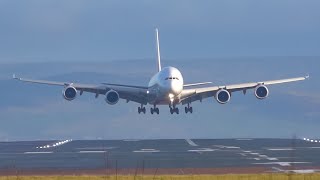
<point>166,87</point>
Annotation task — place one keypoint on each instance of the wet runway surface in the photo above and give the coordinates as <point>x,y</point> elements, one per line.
<point>183,153</point>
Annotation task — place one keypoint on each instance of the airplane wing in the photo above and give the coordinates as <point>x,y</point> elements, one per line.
<point>136,94</point>
<point>196,84</point>
<point>198,94</point>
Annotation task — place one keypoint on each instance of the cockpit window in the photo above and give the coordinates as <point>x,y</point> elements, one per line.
<point>172,78</point>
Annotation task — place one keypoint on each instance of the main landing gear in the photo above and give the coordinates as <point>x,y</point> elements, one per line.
<point>173,109</point>
<point>154,110</point>
<point>188,109</point>
<point>142,109</point>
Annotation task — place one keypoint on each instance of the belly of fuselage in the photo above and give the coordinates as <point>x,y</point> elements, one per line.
<point>160,96</point>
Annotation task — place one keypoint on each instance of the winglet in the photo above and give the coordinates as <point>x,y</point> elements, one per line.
<point>158,50</point>
<point>307,76</point>
<point>15,77</point>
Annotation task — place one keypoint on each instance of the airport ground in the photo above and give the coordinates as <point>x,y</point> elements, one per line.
<point>175,177</point>
<point>161,159</point>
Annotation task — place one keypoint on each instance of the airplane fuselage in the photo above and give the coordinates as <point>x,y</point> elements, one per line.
<point>165,86</point>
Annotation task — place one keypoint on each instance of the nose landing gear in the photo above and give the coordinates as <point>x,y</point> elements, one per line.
<point>173,109</point>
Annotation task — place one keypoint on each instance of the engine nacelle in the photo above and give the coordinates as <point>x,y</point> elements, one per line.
<point>69,93</point>
<point>261,92</point>
<point>223,96</point>
<point>112,97</point>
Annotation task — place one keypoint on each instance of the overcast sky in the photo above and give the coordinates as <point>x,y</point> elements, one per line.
<point>81,30</point>
<point>114,41</point>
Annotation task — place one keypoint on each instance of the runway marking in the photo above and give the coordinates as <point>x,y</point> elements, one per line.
<point>147,151</point>
<point>96,148</point>
<point>181,171</point>
<point>227,147</point>
<point>281,149</point>
<point>38,152</point>
<point>247,151</point>
<point>281,163</point>
<point>298,171</point>
<point>244,139</point>
<point>313,147</point>
<point>92,151</point>
<point>191,143</point>
<point>202,150</point>
<point>263,156</point>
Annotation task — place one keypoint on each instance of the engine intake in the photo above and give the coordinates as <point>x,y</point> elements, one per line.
<point>112,97</point>
<point>261,92</point>
<point>69,93</point>
<point>223,96</point>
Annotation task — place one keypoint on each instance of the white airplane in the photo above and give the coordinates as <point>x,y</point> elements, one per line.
<point>166,87</point>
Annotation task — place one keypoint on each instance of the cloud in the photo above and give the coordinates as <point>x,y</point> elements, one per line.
<point>310,97</point>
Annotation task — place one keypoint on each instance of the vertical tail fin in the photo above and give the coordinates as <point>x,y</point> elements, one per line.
<point>158,50</point>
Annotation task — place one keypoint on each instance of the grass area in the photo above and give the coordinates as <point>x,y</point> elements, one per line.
<point>174,177</point>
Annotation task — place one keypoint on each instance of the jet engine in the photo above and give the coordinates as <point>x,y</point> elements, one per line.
<point>69,93</point>
<point>261,92</point>
<point>223,96</point>
<point>112,97</point>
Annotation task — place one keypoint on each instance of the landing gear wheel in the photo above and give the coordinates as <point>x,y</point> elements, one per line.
<point>157,110</point>
<point>141,110</point>
<point>174,110</point>
<point>188,109</point>
<point>151,110</point>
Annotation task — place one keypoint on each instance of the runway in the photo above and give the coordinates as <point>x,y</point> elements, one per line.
<point>227,155</point>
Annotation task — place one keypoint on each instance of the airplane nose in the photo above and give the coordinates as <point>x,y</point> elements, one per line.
<point>174,87</point>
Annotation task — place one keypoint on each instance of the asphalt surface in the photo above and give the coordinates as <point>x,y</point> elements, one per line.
<point>183,153</point>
